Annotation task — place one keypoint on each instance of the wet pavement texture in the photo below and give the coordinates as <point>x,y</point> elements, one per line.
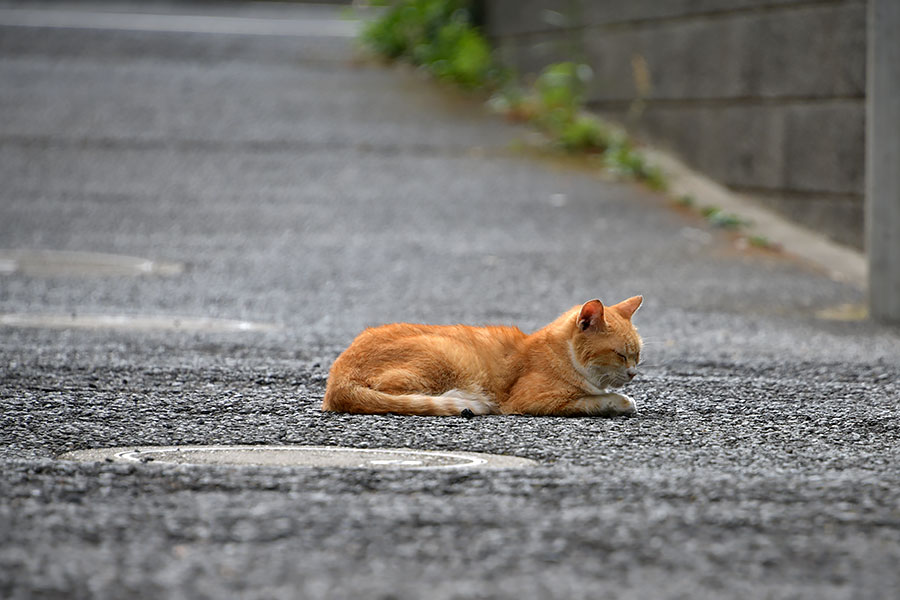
<point>304,189</point>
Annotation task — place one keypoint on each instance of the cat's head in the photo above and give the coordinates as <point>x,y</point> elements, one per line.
<point>605,345</point>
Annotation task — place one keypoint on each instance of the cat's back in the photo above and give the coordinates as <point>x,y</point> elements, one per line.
<point>476,336</point>
<point>413,358</point>
<point>387,345</point>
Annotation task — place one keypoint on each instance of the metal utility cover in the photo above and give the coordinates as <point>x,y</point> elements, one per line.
<point>302,456</point>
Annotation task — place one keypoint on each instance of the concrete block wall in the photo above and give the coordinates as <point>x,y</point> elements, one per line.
<point>765,96</point>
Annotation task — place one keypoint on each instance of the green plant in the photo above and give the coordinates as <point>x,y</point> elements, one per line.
<point>561,87</point>
<point>558,98</point>
<point>514,102</point>
<point>760,241</point>
<point>404,26</point>
<point>458,53</point>
<point>719,218</point>
<point>654,177</point>
<point>584,133</point>
<point>628,162</point>
<point>438,35</point>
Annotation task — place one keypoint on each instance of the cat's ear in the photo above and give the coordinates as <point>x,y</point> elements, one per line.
<point>628,307</point>
<point>591,316</point>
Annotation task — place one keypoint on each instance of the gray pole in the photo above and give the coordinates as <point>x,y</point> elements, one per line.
<point>883,160</point>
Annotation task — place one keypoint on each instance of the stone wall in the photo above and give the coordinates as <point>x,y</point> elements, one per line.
<point>765,96</point>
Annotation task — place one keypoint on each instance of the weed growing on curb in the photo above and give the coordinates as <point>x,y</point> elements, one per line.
<point>437,35</point>
<point>719,218</point>
<point>761,241</point>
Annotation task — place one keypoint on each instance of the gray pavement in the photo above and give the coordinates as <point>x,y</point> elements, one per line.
<point>307,191</point>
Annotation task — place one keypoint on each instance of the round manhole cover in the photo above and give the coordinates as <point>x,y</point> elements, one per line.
<point>302,456</point>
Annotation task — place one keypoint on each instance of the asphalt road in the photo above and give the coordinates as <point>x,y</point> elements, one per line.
<point>305,191</point>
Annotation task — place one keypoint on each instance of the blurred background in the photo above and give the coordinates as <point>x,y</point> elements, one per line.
<point>767,98</point>
<point>203,203</point>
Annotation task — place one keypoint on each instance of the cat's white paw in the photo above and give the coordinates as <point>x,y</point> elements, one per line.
<point>625,405</point>
<point>609,404</point>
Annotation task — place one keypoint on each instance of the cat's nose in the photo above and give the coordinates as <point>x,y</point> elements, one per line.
<point>631,372</point>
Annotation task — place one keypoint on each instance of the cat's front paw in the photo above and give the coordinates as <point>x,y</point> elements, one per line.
<point>609,404</point>
<point>624,405</point>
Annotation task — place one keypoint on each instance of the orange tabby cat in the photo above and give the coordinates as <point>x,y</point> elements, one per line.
<point>565,368</point>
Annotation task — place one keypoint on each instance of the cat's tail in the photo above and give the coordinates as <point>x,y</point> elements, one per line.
<point>357,398</point>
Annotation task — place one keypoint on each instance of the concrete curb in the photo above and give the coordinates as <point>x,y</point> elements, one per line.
<point>841,263</point>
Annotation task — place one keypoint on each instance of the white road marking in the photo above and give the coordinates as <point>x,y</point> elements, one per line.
<point>128,322</point>
<point>82,19</point>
